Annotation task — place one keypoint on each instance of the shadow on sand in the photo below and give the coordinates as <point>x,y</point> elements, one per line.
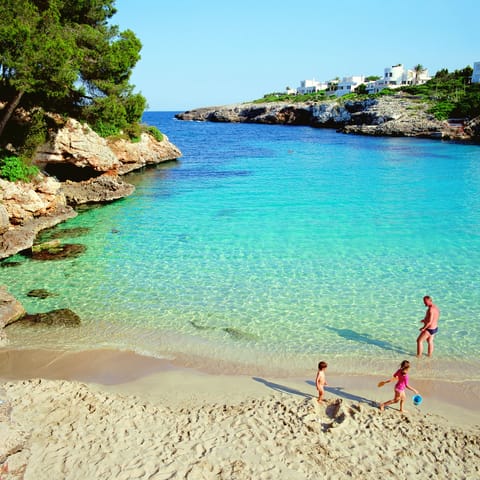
<point>282,388</point>
<point>337,391</point>
<point>366,338</point>
<point>340,392</point>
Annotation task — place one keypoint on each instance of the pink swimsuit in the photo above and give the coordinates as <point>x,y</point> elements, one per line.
<point>402,380</point>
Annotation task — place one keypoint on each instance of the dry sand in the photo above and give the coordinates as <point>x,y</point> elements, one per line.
<point>143,418</point>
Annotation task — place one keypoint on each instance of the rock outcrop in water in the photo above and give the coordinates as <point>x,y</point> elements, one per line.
<point>79,167</point>
<point>388,115</point>
<point>11,310</point>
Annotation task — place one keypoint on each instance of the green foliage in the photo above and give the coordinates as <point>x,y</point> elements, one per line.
<point>468,104</point>
<point>349,96</point>
<point>442,110</point>
<point>133,132</point>
<point>283,97</point>
<point>450,93</point>
<point>36,133</point>
<point>106,130</point>
<point>155,133</point>
<point>361,89</point>
<point>66,57</point>
<point>274,97</point>
<point>14,169</point>
<point>388,91</point>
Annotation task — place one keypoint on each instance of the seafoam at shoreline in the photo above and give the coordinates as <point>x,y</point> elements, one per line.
<point>239,357</point>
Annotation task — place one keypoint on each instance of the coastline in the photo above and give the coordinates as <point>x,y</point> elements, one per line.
<point>396,115</point>
<point>138,417</point>
<point>168,381</point>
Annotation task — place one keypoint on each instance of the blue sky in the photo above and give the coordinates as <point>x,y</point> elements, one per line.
<point>214,52</point>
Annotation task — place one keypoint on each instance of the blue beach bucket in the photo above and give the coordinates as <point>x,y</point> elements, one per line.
<point>417,400</point>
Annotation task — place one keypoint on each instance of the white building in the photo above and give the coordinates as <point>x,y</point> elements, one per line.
<point>476,73</point>
<point>348,85</point>
<point>311,86</point>
<point>397,76</point>
<point>393,77</point>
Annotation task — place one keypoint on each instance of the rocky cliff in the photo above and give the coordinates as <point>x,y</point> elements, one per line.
<point>78,167</point>
<point>389,115</point>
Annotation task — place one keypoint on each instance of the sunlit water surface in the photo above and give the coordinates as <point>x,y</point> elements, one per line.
<point>269,248</point>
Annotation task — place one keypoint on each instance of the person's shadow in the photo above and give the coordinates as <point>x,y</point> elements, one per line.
<point>282,388</point>
<point>366,338</point>
<point>340,392</point>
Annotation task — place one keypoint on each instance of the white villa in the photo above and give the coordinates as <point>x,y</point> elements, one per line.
<point>311,86</point>
<point>476,73</point>
<point>394,77</point>
<point>397,76</point>
<point>348,85</point>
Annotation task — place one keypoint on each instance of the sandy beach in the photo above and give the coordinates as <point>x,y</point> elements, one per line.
<point>107,414</point>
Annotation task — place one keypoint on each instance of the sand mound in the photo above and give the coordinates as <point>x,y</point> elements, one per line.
<point>68,430</point>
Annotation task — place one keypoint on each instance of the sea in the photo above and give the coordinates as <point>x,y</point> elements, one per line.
<point>267,248</point>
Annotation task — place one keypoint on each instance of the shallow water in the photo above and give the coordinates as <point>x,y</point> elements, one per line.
<point>273,246</point>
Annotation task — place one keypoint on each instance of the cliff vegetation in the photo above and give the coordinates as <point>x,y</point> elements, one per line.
<point>63,59</point>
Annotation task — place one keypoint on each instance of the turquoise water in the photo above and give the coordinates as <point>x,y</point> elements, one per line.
<point>272,247</point>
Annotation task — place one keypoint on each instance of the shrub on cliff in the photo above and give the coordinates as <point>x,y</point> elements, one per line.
<point>155,133</point>
<point>14,169</point>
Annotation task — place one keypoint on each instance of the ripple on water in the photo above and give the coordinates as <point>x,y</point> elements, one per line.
<point>274,246</point>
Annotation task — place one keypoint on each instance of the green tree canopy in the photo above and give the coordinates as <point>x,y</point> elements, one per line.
<point>63,56</point>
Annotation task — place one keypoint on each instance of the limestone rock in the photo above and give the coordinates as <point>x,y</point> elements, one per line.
<point>78,153</point>
<point>101,189</point>
<point>472,128</point>
<point>147,151</point>
<point>10,308</point>
<point>22,236</point>
<point>79,145</point>
<point>4,219</point>
<point>48,186</point>
<point>330,115</point>
<point>24,201</point>
<point>393,115</point>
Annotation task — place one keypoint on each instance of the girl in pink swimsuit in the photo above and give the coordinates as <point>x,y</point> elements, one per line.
<point>401,377</point>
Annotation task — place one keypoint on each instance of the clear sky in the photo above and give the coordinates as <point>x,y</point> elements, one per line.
<point>200,53</point>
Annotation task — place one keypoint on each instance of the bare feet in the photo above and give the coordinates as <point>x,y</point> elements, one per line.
<point>381,407</point>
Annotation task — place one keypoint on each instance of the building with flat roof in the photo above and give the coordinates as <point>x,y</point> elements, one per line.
<point>397,76</point>
<point>349,84</point>
<point>311,86</point>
